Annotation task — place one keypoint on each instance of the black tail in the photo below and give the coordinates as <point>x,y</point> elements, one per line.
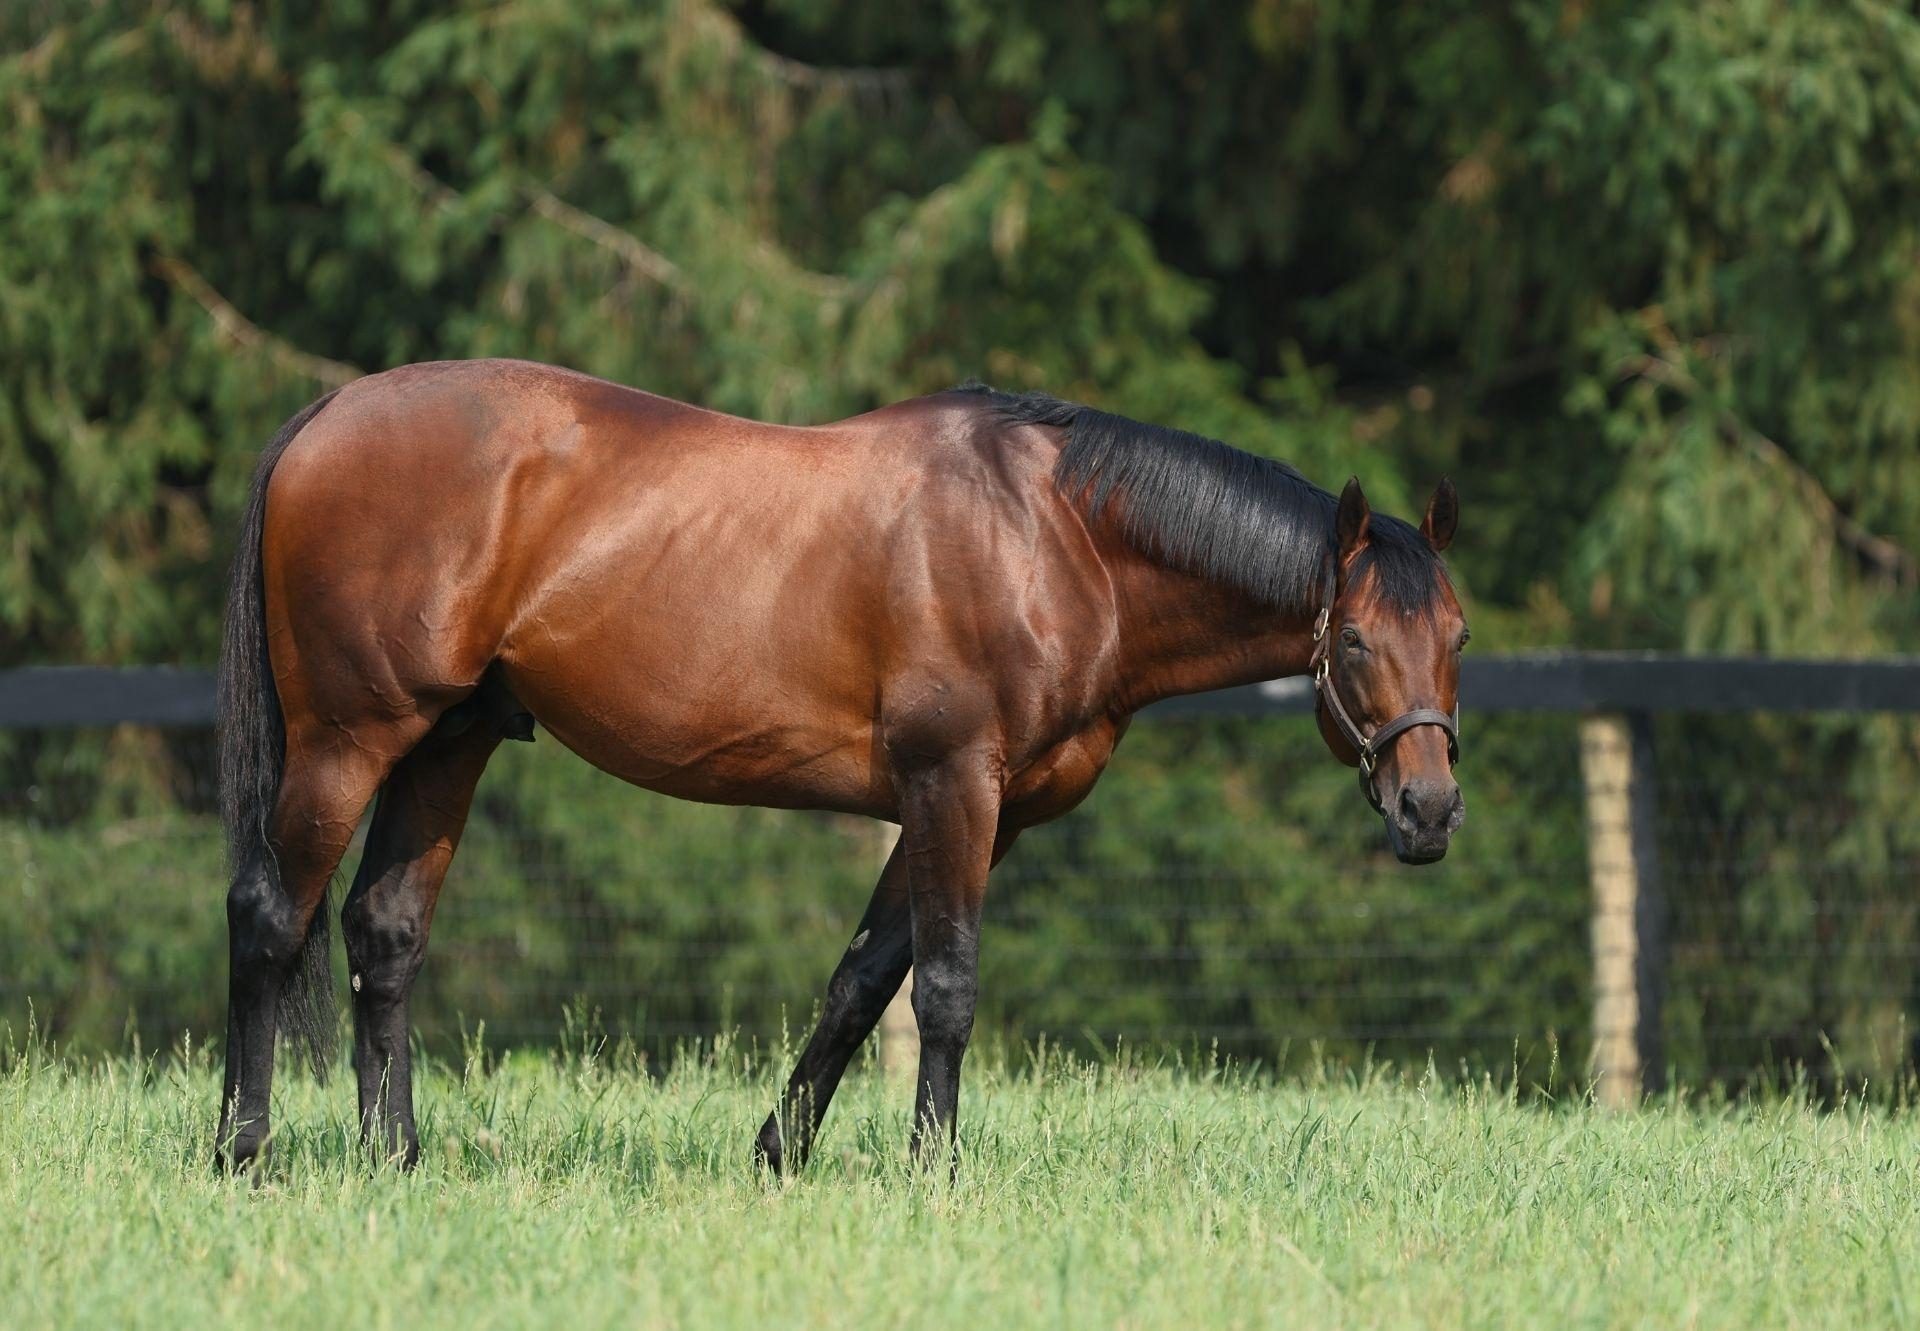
<point>252,740</point>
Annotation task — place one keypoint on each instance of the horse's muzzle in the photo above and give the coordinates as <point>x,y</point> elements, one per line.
<point>1422,818</point>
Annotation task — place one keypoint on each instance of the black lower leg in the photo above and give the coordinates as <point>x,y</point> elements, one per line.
<point>416,827</point>
<point>264,935</point>
<point>945,985</point>
<point>865,981</point>
<point>383,1064</point>
<point>384,923</point>
<point>948,836</point>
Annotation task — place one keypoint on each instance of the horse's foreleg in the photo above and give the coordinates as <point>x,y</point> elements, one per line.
<point>270,907</point>
<point>948,817</point>
<point>416,827</point>
<point>864,982</point>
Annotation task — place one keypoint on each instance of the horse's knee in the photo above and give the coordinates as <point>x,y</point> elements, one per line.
<point>943,1003</point>
<point>376,933</point>
<point>386,943</point>
<point>855,1000</point>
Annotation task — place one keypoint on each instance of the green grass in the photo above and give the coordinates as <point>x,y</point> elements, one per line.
<point>565,1191</point>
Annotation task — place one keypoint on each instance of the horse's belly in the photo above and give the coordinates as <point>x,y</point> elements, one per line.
<point>687,742</point>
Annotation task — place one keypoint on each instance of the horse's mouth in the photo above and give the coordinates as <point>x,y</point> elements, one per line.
<point>1419,847</point>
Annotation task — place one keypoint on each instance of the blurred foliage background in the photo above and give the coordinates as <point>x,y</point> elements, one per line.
<point>1643,276</point>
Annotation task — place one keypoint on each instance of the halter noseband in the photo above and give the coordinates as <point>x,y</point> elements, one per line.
<point>1368,747</point>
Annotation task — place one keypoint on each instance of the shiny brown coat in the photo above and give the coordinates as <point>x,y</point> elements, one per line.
<point>898,615</point>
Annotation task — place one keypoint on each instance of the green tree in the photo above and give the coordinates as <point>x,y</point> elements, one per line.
<point>1641,275</point>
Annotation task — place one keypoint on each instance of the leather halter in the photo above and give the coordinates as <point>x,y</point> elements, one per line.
<point>1369,747</point>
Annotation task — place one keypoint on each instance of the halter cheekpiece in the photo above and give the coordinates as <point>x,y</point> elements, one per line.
<point>1369,747</point>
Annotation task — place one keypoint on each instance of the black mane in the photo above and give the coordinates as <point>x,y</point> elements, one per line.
<point>1214,511</point>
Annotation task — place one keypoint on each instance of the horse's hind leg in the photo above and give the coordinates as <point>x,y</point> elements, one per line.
<point>864,982</point>
<point>416,827</point>
<point>324,787</point>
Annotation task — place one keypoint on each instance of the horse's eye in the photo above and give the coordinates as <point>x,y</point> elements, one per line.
<point>1350,636</point>
<point>1465,638</point>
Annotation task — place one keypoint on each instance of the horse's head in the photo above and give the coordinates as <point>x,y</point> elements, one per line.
<point>1387,669</point>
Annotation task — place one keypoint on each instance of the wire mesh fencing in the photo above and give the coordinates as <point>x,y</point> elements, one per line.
<point>1225,892</point>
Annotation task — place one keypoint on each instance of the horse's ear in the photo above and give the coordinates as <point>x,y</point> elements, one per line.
<point>1350,523</point>
<point>1443,515</point>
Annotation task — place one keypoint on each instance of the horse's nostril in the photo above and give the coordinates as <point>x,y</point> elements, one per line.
<point>1409,808</point>
<point>1427,805</point>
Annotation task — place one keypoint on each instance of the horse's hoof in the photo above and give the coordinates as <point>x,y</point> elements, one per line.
<point>767,1148</point>
<point>245,1154</point>
<point>770,1153</point>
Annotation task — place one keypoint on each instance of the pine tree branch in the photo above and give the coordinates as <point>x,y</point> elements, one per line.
<point>1879,553</point>
<point>243,332</point>
<point>1893,561</point>
<point>443,197</point>
<point>827,286</point>
<point>35,59</point>
<point>876,82</point>
<point>649,262</point>
<point>639,257</point>
<point>222,58</point>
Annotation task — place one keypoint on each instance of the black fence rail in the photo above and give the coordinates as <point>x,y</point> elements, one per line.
<point>1703,866</point>
<point>1642,682</point>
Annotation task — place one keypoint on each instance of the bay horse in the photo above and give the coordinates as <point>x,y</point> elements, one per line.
<point>943,613</point>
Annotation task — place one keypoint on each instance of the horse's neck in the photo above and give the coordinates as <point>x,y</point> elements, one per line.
<point>1181,634</point>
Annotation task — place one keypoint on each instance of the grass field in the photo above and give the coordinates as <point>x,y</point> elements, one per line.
<point>568,1191</point>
